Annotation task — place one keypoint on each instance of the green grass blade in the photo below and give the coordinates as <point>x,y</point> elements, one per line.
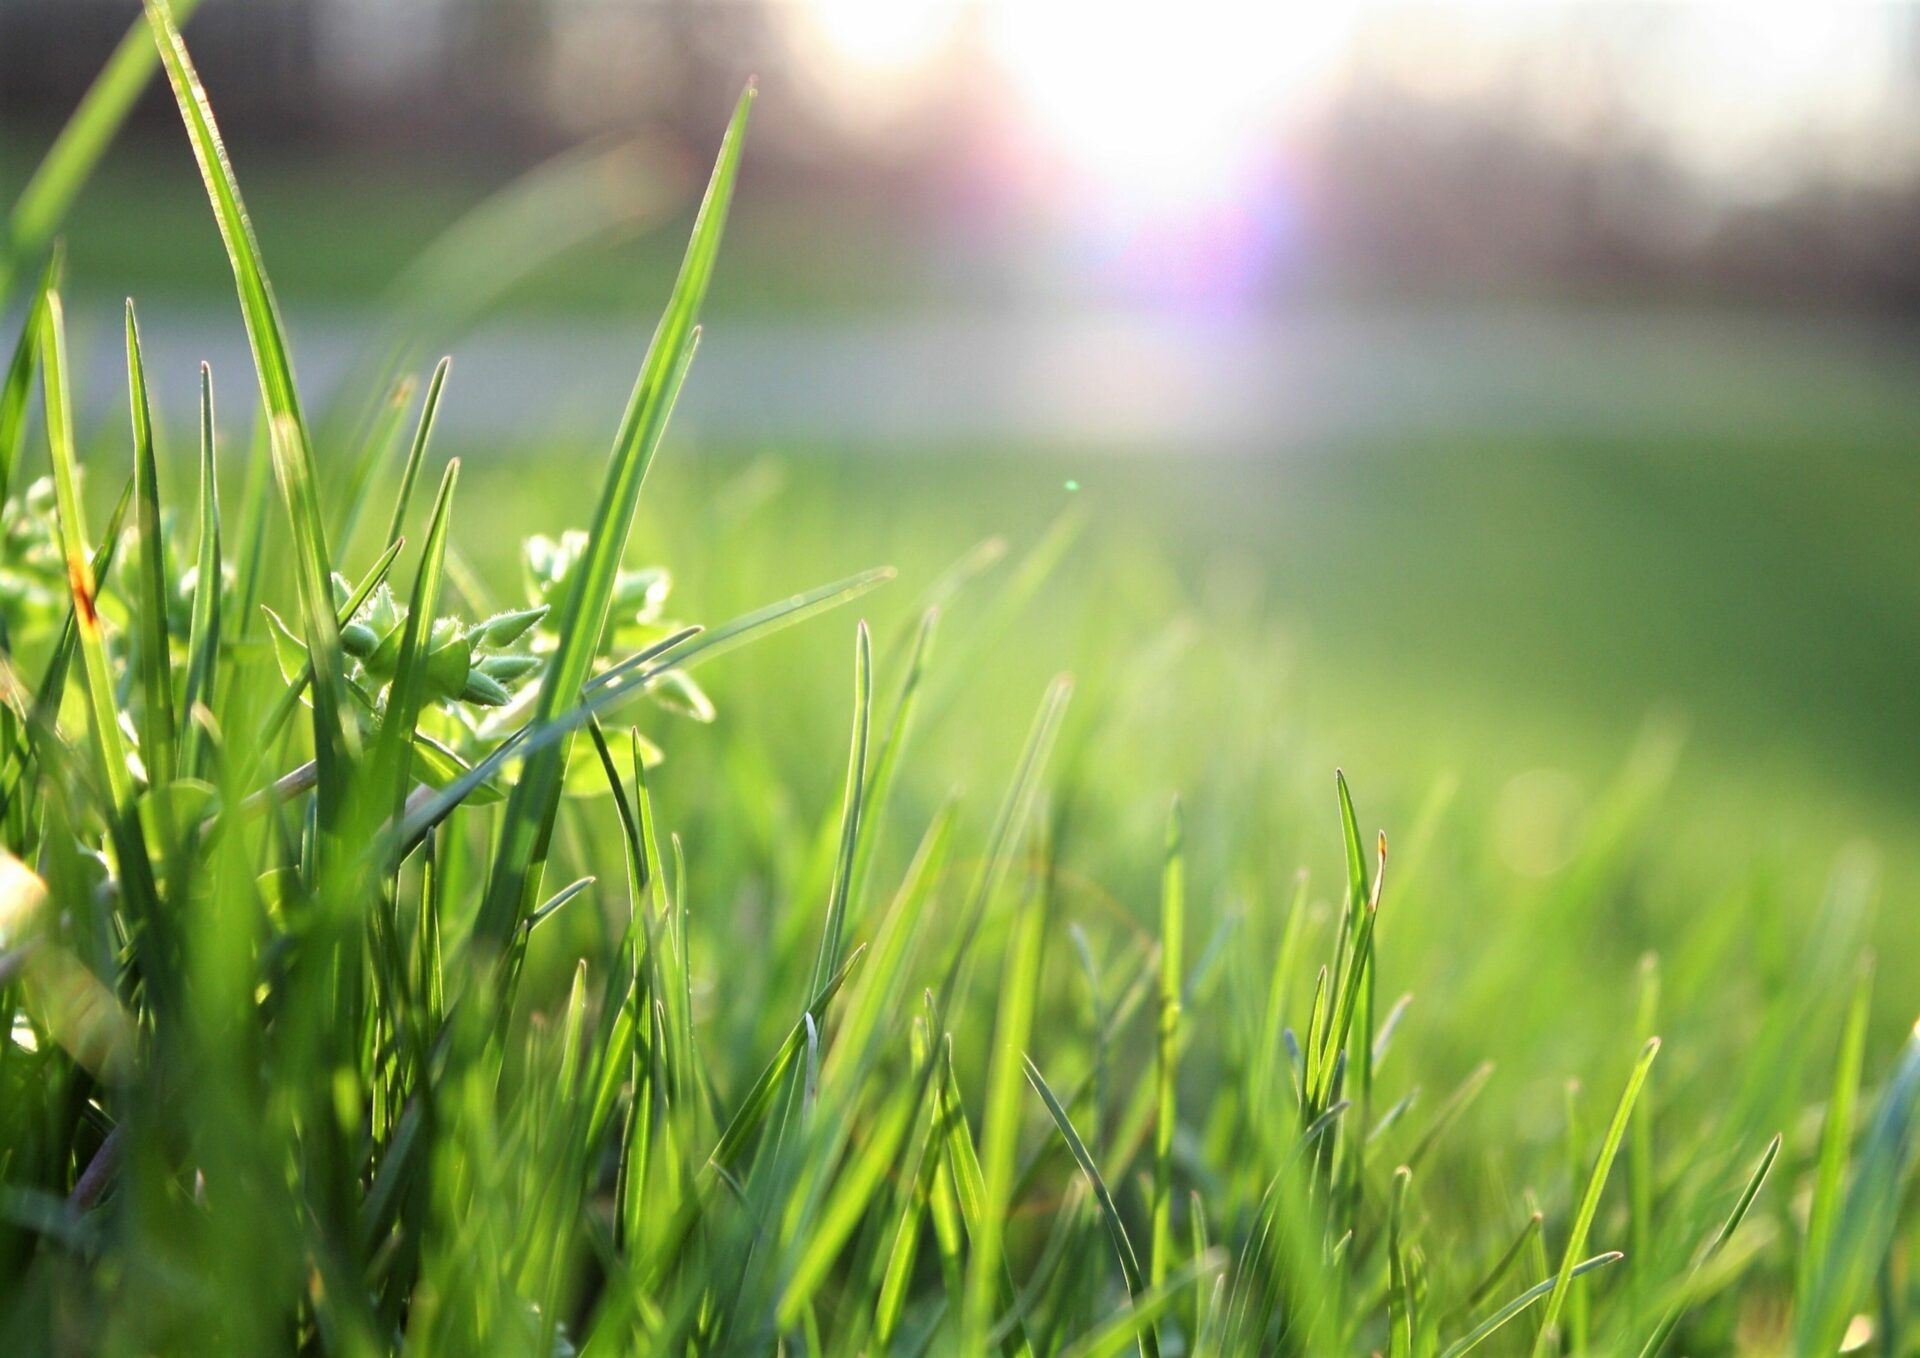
<point>1487,1328</point>
<point>1836,1131</point>
<point>157,734</point>
<point>1590,1199</point>
<point>97,674</point>
<point>1109,1210</point>
<point>1741,1207</point>
<point>279,395</point>
<point>828,957</point>
<point>417,450</point>
<point>203,637</point>
<point>1173,911</point>
<point>1000,1121</point>
<point>583,616</point>
<point>759,1099</point>
<point>1869,1218</point>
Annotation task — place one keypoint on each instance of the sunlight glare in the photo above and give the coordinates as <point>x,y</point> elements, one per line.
<point>1158,103</point>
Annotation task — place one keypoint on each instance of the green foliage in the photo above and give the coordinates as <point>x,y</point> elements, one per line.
<point>309,1050</point>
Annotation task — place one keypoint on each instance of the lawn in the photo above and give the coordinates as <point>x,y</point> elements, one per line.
<point>418,938</point>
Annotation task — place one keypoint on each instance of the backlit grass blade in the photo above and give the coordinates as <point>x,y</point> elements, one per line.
<point>63,171</point>
<point>203,637</point>
<point>1836,1132</point>
<point>287,425</point>
<point>1590,1199</point>
<point>589,593</point>
<point>829,955</point>
<point>1870,1216</point>
<point>1109,1210</point>
<point>899,728</point>
<point>1000,1121</point>
<point>1741,1206</point>
<point>1173,912</point>
<point>759,1099</point>
<point>417,450</point>
<point>157,736</point>
<point>109,750</point>
<point>1487,1328</point>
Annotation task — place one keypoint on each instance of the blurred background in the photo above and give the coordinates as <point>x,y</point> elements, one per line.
<point>1492,384</point>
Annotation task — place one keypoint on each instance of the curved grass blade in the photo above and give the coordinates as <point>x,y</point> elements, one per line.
<point>1590,1200</point>
<point>1109,1210</point>
<point>753,1107</point>
<point>1495,1322</point>
<point>1671,1320</point>
<point>379,442</point>
<point>1012,814</point>
<point>1000,1120</point>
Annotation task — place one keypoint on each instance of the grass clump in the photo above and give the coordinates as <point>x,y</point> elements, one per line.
<point>290,1065</point>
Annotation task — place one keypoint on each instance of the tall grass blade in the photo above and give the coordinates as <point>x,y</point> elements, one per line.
<point>583,616</point>
<point>1590,1199</point>
<point>157,736</point>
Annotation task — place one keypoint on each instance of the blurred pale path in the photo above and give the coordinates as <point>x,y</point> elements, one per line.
<point>1130,381</point>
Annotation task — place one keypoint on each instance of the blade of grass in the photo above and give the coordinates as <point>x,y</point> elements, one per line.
<point>1868,1219</point>
<point>203,636</point>
<point>1109,1210</point>
<point>828,957</point>
<point>1000,1120</point>
<point>1487,1328</point>
<point>1836,1132</point>
<point>157,735</point>
<point>1173,909</point>
<point>417,451</point>
<point>286,423</point>
<point>583,616</point>
<point>1668,1323</point>
<point>1590,1199</point>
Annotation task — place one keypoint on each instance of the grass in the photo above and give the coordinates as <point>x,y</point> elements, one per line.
<point>374,987</point>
